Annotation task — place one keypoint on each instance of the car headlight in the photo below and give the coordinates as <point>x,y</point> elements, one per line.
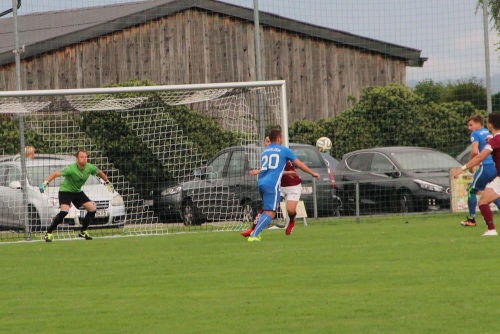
<point>429,186</point>
<point>171,191</point>
<point>117,201</point>
<point>53,202</point>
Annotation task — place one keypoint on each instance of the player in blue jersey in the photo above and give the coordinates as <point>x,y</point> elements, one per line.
<point>486,171</point>
<point>273,161</point>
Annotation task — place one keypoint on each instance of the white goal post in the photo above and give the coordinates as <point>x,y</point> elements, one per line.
<point>161,146</point>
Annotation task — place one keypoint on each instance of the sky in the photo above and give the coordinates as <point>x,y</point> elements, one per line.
<point>449,32</point>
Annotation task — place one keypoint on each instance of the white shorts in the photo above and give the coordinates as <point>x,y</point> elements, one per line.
<point>292,193</point>
<point>495,185</point>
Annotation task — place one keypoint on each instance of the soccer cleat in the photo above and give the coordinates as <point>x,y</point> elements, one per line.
<point>85,235</point>
<point>289,228</point>
<point>490,233</point>
<point>48,237</point>
<point>469,222</point>
<point>251,239</point>
<point>247,233</point>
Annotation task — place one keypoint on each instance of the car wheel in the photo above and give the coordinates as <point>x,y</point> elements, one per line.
<point>34,220</point>
<point>248,212</point>
<point>405,202</point>
<point>190,214</point>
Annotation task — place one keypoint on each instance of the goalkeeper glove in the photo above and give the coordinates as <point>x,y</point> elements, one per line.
<point>44,186</point>
<point>110,187</point>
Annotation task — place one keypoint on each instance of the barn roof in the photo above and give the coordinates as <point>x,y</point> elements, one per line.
<point>47,31</point>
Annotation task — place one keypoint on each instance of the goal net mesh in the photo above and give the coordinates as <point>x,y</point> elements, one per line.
<point>160,149</point>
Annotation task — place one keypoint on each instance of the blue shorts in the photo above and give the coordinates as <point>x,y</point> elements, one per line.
<point>482,176</point>
<point>270,197</point>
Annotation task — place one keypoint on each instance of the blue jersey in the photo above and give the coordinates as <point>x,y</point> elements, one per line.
<point>481,136</point>
<point>273,160</point>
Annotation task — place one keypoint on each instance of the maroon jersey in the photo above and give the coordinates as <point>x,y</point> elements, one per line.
<point>494,146</point>
<point>288,180</point>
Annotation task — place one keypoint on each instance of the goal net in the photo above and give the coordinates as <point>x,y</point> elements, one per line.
<point>178,156</point>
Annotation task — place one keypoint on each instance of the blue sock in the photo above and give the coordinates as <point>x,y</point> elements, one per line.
<point>472,202</point>
<point>497,203</point>
<point>264,220</point>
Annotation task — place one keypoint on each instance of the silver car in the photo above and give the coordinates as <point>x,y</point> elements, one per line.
<point>41,208</point>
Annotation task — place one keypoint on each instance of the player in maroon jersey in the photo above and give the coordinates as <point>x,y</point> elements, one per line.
<point>492,191</point>
<point>291,188</point>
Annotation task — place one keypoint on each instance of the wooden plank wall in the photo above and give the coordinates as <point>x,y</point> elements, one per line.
<point>199,47</point>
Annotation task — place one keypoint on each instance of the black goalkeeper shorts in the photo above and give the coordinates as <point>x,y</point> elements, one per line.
<point>78,199</point>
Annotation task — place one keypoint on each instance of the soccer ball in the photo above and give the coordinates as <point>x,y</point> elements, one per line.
<point>324,144</point>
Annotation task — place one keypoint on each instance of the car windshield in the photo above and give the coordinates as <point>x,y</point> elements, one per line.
<point>38,174</point>
<point>425,161</point>
<point>308,156</point>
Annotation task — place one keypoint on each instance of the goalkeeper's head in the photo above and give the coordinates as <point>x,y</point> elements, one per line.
<point>81,158</point>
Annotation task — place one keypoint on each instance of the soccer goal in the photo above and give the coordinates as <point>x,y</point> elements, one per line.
<point>178,156</point>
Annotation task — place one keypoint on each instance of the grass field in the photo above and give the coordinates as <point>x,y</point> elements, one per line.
<point>413,274</point>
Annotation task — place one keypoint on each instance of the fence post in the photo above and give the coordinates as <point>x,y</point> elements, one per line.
<point>315,199</point>
<point>357,202</point>
<point>17,51</point>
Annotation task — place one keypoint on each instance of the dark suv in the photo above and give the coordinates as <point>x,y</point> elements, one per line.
<point>224,190</point>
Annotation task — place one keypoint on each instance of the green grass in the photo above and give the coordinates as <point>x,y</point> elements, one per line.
<point>414,274</point>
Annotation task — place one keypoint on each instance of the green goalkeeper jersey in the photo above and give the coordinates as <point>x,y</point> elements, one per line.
<point>75,178</point>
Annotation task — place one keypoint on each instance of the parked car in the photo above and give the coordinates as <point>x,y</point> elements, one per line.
<point>395,179</point>
<point>165,210</point>
<point>224,190</point>
<point>43,207</point>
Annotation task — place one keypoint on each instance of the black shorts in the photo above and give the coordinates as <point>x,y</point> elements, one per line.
<point>78,199</point>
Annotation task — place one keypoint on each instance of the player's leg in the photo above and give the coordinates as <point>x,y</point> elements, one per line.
<point>293,197</point>
<point>64,204</point>
<point>490,174</point>
<point>472,204</point>
<point>247,233</point>
<point>490,194</point>
<point>478,182</point>
<point>270,198</point>
<point>82,200</point>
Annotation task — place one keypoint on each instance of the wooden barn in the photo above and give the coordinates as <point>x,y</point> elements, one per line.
<point>199,41</point>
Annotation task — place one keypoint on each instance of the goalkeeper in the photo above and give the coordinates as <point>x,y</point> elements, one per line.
<point>70,191</point>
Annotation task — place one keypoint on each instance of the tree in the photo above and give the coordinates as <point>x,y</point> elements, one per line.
<point>431,91</point>
<point>494,12</point>
<point>305,132</point>
<point>471,90</point>
<point>393,115</point>
<point>495,102</point>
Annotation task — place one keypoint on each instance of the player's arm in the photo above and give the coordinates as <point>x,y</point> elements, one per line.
<point>474,150</point>
<point>53,176</point>
<point>49,179</point>
<point>473,153</point>
<point>290,173</point>
<point>103,176</point>
<point>300,165</point>
<point>254,171</point>
<point>474,161</point>
<point>108,184</point>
